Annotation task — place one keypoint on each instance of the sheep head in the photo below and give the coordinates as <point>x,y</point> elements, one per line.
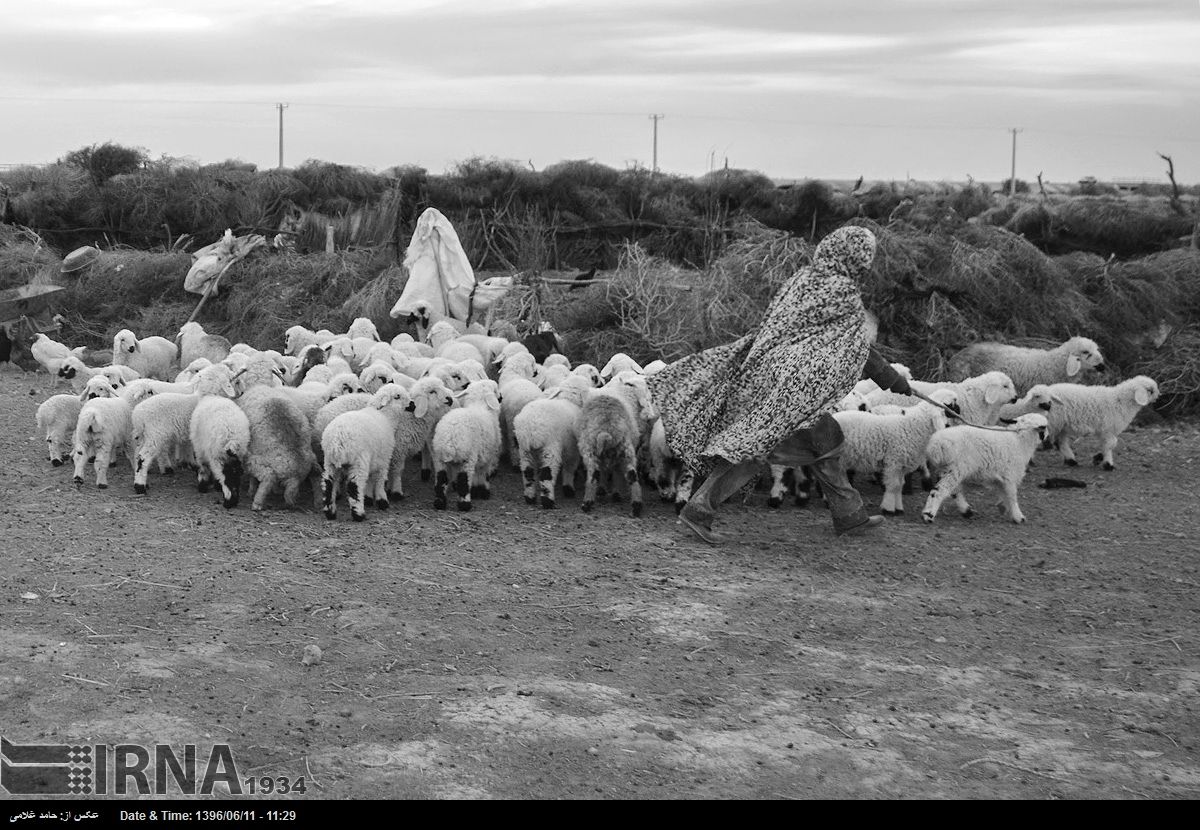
<point>126,341</point>
<point>1082,353</point>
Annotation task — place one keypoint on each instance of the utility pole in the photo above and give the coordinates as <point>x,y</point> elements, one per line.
<point>654,163</point>
<point>1012,178</point>
<point>281,108</point>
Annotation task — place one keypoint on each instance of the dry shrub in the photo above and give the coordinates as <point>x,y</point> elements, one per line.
<point>375,300</point>
<point>1176,367</point>
<point>25,261</point>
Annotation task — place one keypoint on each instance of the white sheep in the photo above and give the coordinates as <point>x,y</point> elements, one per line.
<point>357,446</point>
<point>280,451</point>
<point>980,398</point>
<point>335,407</point>
<point>1039,398</point>
<point>1028,367</point>
<point>363,327</point>
<point>151,357</point>
<point>194,342</point>
<point>431,399</point>
<point>620,362</point>
<point>590,372</point>
<point>378,373</point>
<point>517,386</point>
<point>557,359</point>
<point>892,445</point>
<point>192,369</point>
<point>160,426</point>
<point>959,454</point>
<point>1103,412</point>
<point>219,433</point>
<point>446,343</point>
<point>50,354</point>
<point>670,475</point>
<point>56,419</point>
<point>78,373</point>
<point>611,426</point>
<point>296,338</point>
<point>547,445</point>
<point>466,445</point>
<point>102,429</point>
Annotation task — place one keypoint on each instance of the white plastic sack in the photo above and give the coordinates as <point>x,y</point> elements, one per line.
<point>438,269</point>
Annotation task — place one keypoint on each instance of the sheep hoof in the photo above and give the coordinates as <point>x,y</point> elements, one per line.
<point>1019,520</point>
<point>679,507</point>
<point>439,504</point>
<point>968,513</point>
<point>168,471</point>
<point>139,489</point>
<point>57,462</point>
<point>102,486</point>
<point>230,502</point>
<point>530,500</point>
<point>637,509</point>
<point>358,517</point>
<point>587,506</point>
<point>395,496</point>
<point>368,502</point>
<point>773,501</point>
<point>548,504</point>
<point>568,491</point>
<point>890,512</point>
<point>1071,462</point>
<point>203,486</point>
<point>1108,468</point>
<point>112,464</point>
<point>927,518</point>
<point>616,497</point>
<point>464,507</point>
<point>426,475</point>
<point>91,459</point>
<point>479,491</point>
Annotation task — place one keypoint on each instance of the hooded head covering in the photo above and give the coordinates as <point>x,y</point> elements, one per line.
<point>848,251</point>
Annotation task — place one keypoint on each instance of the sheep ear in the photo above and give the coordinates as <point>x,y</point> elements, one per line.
<point>1141,396</point>
<point>1074,364</point>
<point>83,394</point>
<point>421,406</point>
<point>493,402</point>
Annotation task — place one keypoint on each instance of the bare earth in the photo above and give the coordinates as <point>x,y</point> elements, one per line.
<point>512,652</point>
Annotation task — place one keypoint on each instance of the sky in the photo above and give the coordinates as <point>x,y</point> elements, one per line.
<point>884,89</point>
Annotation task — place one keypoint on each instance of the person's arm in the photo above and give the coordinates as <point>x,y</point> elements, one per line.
<point>879,370</point>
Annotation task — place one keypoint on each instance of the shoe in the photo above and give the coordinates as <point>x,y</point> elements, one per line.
<point>692,521</point>
<point>859,529</point>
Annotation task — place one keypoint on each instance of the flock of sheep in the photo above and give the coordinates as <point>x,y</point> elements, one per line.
<point>349,412</point>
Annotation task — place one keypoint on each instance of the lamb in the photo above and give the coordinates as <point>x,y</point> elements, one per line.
<point>219,433</point>
<point>590,372</point>
<point>103,427</point>
<point>544,431</point>
<point>151,357</point>
<point>980,398</point>
<point>431,399</point>
<point>195,342</point>
<point>296,338</point>
<point>280,450</point>
<point>160,427</point>
<point>363,327</point>
<point>892,445</point>
<point>1038,398</point>
<point>672,478</point>
<point>192,369</point>
<point>74,370</point>
<point>1029,367</point>
<point>518,386</point>
<point>377,374</point>
<point>466,445</point>
<point>960,454</point>
<point>423,316</point>
<point>51,354</point>
<point>444,339</point>
<point>56,419</point>
<point>1101,411</point>
<point>620,362</point>
<point>358,448</point>
<point>610,428</point>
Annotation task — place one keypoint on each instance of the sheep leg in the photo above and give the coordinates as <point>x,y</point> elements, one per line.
<point>376,483</point>
<point>356,491</point>
<point>141,469</point>
<point>804,484</point>
<point>528,475</point>
<point>945,488</point>
<point>1009,489</point>
<point>440,484</point>
<point>81,460</point>
<point>480,484</point>
<point>592,481</point>
<point>464,485</point>
<point>570,463</point>
<point>893,492</point>
<point>427,465</point>
<point>103,457</point>
<point>330,480</point>
<point>395,486</point>
<point>547,476</point>
<point>1068,454</point>
<point>265,485</point>
<point>229,476</point>
<point>204,477</point>
<point>610,483</point>
<point>1106,453</point>
<point>782,481</point>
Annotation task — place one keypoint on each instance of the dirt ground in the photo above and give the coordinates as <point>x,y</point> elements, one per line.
<point>512,652</point>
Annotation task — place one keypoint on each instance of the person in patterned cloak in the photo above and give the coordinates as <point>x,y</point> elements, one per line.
<point>768,396</point>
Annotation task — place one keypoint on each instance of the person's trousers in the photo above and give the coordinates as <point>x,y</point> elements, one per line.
<point>819,448</point>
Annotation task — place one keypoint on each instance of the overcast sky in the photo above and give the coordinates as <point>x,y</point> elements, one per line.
<point>886,89</point>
